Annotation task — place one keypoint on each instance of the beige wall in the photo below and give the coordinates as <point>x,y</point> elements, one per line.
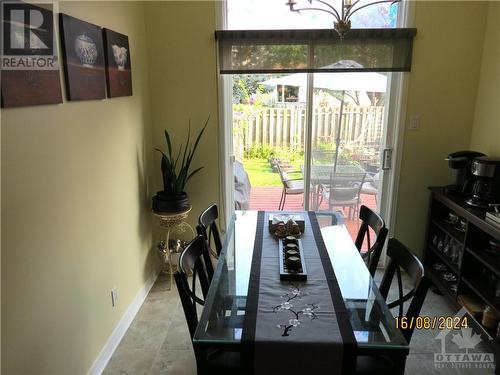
<point>75,214</point>
<point>183,83</point>
<point>442,91</point>
<point>486,130</point>
<point>75,196</point>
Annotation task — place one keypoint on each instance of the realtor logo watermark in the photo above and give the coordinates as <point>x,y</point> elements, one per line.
<point>28,41</point>
<point>466,339</point>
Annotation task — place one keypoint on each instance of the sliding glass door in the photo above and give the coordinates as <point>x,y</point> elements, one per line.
<point>308,141</point>
<point>309,148</point>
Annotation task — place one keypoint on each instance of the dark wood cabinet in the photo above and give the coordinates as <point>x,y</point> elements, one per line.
<point>459,260</point>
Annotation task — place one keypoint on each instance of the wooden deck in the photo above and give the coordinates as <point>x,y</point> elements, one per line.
<point>268,198</point>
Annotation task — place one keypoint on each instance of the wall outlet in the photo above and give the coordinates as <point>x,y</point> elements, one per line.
<point>114,297</point>
<point>414,123</point>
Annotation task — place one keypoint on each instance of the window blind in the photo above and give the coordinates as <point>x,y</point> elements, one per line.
<point>314,51</point>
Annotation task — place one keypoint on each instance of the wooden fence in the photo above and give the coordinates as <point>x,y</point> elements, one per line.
<point>284,127</point>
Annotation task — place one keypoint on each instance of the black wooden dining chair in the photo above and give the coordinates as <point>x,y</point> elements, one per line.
<point>191,262</point>
<point>371,220</point>
<point>209,230</point>
<point>400,258</point>
<point>207,258</point>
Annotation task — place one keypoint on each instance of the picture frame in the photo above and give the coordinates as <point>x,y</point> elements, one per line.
<point>118,64</point>
<point>83,57</point>
<point>32,76</point>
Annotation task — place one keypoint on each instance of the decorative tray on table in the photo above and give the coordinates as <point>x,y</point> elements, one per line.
<point>292,261</point>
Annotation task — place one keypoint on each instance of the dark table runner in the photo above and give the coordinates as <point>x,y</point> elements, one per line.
<point>295,327</point>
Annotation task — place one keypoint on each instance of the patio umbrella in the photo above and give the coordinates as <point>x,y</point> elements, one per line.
<point>345,82</point>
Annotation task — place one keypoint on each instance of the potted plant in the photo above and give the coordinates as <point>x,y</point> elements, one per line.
<point>176,173</point>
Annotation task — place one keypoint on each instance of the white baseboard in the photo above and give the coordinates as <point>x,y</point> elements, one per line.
<point>121,328</point>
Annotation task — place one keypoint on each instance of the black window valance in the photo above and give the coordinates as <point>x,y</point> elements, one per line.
<point>294,51</point>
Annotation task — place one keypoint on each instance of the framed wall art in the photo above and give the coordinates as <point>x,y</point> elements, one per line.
<point>118,67</point>
<point>83,56</point>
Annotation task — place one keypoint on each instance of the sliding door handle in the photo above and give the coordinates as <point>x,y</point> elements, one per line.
<point>387,159</point>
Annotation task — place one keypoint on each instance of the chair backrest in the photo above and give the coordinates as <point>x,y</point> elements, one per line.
<point>206,253</point>
<point>209,230</point>
<point>345,186</point>
<point>283,175</point>
<point>371,220</point>
<point>402,258</point>
<point>191,262</point>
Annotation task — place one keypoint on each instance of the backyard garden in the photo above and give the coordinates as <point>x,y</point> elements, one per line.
<point>269,127</point>
<point>258,164</point>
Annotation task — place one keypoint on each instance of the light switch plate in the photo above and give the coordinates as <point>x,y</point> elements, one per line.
<point>414,123</point>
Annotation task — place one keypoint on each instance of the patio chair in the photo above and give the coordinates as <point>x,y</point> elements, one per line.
<point>371,187</point>
<point>291,185</point>
<point>344,191</point>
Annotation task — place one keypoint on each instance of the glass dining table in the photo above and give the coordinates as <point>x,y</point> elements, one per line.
<point>222,320</point>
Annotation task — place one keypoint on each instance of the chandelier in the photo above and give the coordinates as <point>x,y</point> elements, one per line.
<point>342,23</point>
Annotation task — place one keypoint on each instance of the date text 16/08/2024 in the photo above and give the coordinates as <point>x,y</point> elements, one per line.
<point>432,322</point>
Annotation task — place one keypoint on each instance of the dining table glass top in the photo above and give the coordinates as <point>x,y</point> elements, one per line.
<point>221,322</point>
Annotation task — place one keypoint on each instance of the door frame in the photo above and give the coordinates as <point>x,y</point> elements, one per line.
<point>225,115</point>
<point>399,84</point>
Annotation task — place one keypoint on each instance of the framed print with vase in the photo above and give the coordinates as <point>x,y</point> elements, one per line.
<point>83,56</point>
<point>118,67</point>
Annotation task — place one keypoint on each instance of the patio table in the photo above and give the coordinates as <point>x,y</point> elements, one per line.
<point>321,174</point>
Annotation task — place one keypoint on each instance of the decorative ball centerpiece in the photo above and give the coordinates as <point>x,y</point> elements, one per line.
<point>86,50</point>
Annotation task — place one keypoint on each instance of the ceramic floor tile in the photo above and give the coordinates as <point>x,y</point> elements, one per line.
<point>178,334</point>
<point>157,307</point>
<point>477,371</point>
<point>146,335</point>
<point>130,362</point>
<point>158,340</point>
<point>174,362</point>
<point>423,364</point>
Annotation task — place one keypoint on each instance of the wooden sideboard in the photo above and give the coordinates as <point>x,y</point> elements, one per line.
<point>462,249</point>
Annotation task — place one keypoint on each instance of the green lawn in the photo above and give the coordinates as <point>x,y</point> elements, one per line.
<point>260,172</point>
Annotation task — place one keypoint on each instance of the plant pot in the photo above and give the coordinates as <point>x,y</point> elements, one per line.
<point>170,203</point>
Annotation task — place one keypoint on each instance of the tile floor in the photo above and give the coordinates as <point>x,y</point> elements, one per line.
<point>158,341</point>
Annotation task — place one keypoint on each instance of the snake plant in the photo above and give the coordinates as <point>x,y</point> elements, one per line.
<point>176,170</point>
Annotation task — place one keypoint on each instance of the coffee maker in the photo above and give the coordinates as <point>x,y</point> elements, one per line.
<point>460,164</point>
<point>485,182</point>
